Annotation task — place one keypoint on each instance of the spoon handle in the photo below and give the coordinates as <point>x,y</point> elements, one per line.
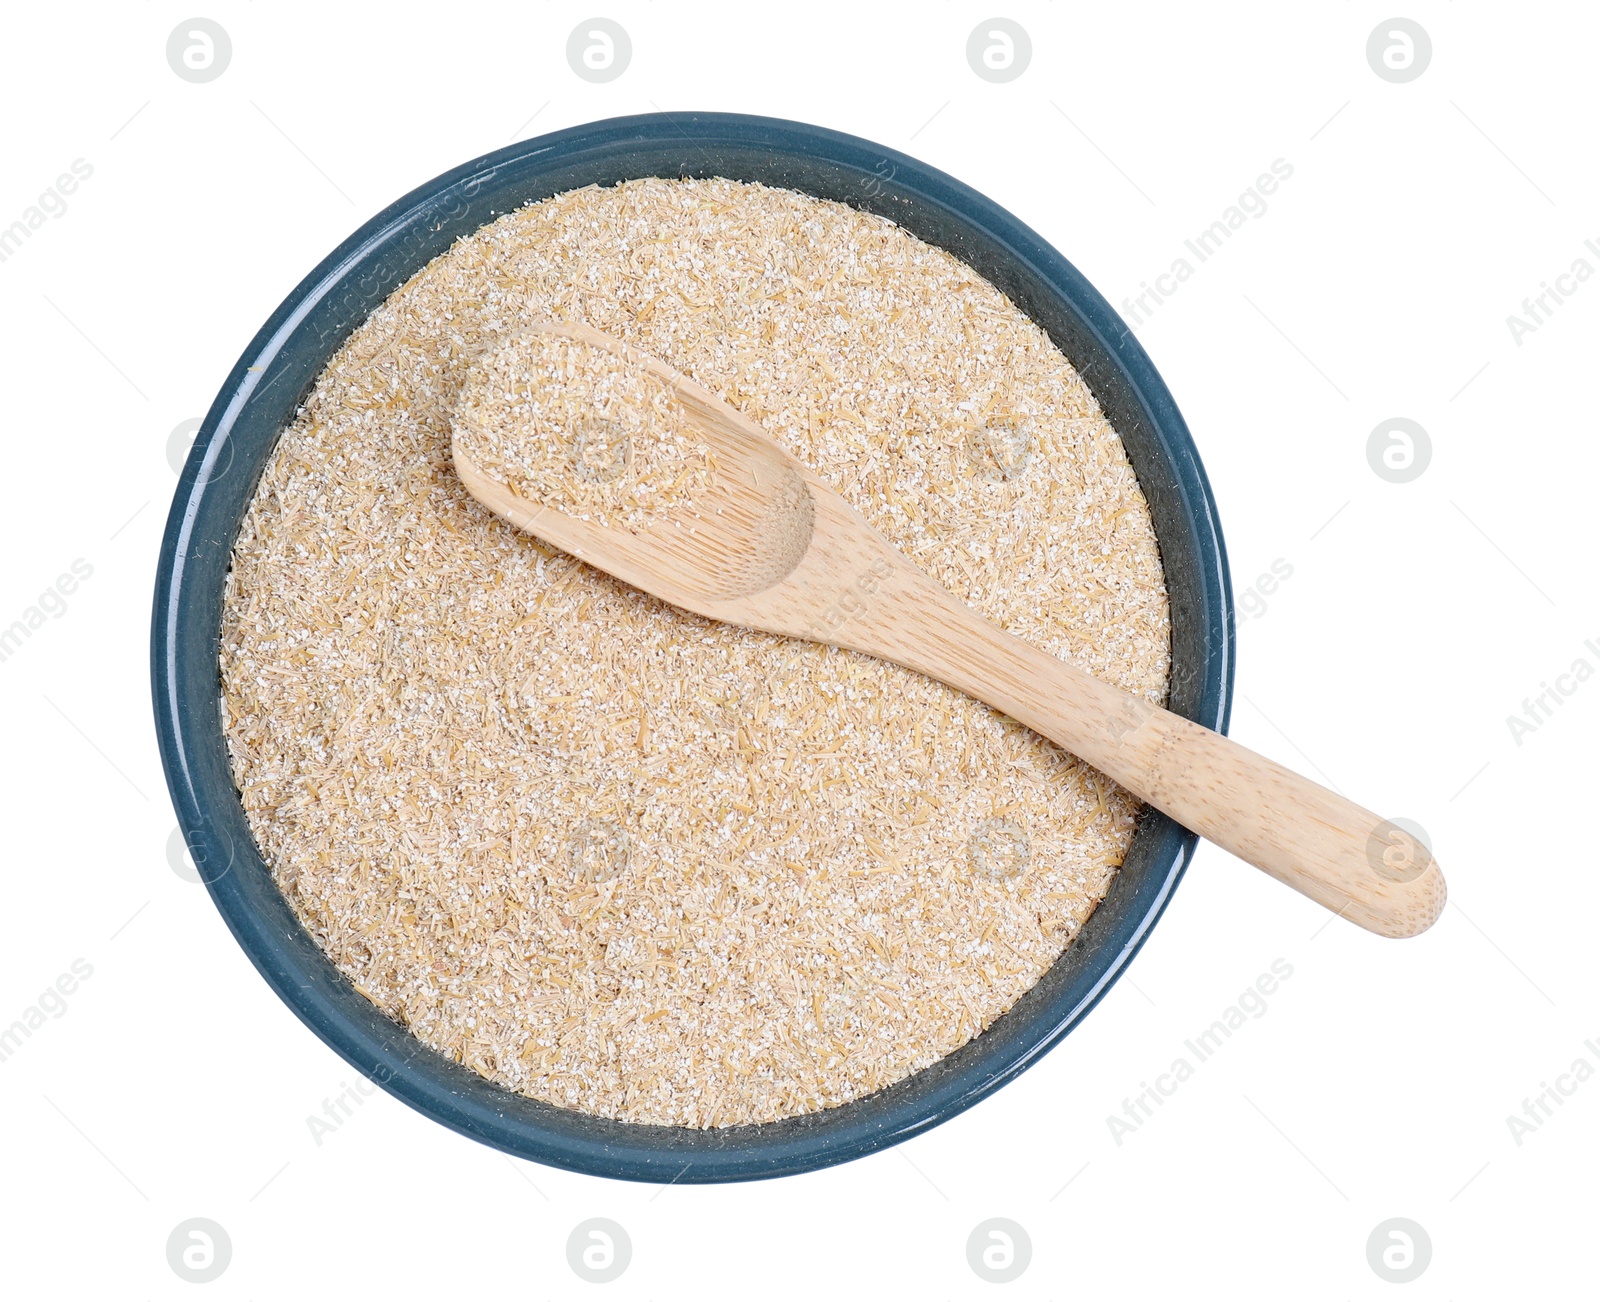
<point>1344,857</point>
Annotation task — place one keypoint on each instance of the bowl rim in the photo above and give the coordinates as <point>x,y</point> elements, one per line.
<point>258,400</point>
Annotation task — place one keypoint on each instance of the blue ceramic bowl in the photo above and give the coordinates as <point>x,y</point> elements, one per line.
<point>258,401</point>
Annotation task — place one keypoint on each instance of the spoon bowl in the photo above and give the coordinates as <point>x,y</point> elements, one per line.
<point>749,529</point>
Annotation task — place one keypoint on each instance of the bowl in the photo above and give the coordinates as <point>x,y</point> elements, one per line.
<point>258,401</point>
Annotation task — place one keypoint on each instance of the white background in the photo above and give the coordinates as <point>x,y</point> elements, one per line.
<point>1418,617</point>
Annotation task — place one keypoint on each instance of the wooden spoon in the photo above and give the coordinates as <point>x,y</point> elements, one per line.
<point>769,546</point>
